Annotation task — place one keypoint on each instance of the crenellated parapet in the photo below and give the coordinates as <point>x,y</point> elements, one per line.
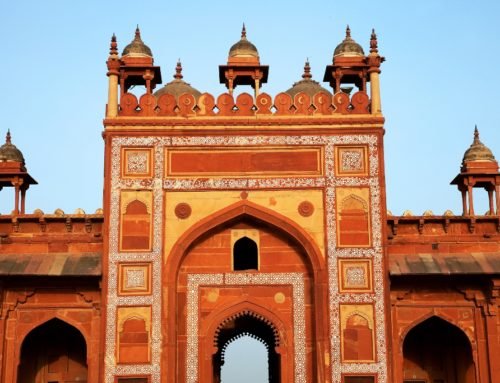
<point>245,105</point>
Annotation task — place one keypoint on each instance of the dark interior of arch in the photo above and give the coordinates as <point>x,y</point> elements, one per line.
<point>53,352</point>
<point>249,325</point>
<point>245,255</point>
<point>437,351</point>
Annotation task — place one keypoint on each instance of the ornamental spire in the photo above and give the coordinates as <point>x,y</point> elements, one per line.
<point>307,71</point>
<point>178,70</point>
<point>348,32</point>
<point>373,42</point>
<point>7,137</point>
<point>243,32</point>
<point>113,47</point>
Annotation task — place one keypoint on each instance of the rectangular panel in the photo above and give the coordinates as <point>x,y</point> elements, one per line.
<point>357,326</point>
<point>244,162</point>
<point>136,225</point>
<point>359,379</point>
<point>351,160</point>
<point>133,335</point>
<point>353,217</point>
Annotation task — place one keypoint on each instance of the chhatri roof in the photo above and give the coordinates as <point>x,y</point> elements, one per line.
<point>137,46</point>
<point>9,152</point>
<point>348,47</point>
<point>243,48</point>
<point>478,151</point>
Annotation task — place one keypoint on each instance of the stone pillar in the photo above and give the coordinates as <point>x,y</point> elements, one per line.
<point>375,92</point>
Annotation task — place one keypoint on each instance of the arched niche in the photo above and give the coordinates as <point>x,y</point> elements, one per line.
<point>55,351</point>
<point>436,350</point>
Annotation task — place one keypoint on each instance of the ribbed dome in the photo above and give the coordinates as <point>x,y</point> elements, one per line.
<point>307,84</point>
<point>9,152</point>
<point>348,47</point>
<point>178,86</point>
<point>243,47</point>
<point>137,47</point>
<point>478,151</point>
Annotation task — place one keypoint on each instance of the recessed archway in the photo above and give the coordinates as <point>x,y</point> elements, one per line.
<point>53,352</point>
<point>437,351</point>
<point>243,325</point>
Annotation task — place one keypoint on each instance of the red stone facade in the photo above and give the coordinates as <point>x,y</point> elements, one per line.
<point>249,215</point>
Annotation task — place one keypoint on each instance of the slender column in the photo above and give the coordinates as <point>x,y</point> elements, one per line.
<point>471,203</point>
<point>464,202</point>
<point>375,92</point>
<point>257,85</point>
<point>497,192</point>
<point>16,197</point>
<point>23,199</point>
<point>491,204</point>
<point>112,96</point>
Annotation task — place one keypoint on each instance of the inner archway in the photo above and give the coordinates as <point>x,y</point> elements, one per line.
<point>437,351</point>
<point>54,352</point>
<point>243,325</point>
<point>245,361</point>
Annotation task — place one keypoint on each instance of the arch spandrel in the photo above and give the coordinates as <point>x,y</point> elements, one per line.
<point>208,204</point>
<point>255,213</point>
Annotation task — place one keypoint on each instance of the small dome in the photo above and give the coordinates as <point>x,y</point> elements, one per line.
<point>478,151</point>
<point>178,86</point>
<point>9,152</point>
<point>348,47</point>
<point>243,47</point>
<point>307,84</point>
<point>137,47</point>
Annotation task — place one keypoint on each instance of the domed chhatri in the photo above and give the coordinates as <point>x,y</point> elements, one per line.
<point>307,84</point>
<point>9,152</point>
<point>137,46</point>
<point>178,86</point>
<point>478,151</point>
<point>243,48</point>
<point>348,47</point>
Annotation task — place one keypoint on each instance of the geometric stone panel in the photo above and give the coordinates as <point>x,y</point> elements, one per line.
<point>134,279</point>
<point>136,163</point>
<point>351,160</point>
<point>355,276</point>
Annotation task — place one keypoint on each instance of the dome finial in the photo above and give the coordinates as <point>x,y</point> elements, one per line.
<point>373,42</point>
<point>476,135</point>
<point>7,137</point>
<point>307,70</point>
<point>348,32</point>
<point>178,70</point>
<point>243,32</point>
<point>137,32</point>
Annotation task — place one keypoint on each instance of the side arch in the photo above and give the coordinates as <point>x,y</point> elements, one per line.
<point>430,315</point>
<point>42,321</point>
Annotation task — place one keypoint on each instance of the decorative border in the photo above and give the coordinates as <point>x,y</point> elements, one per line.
<point>329,183</point>
<point>296,280</point>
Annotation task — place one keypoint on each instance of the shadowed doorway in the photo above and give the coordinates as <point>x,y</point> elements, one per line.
<point>54,352</point>
<point>435,351</point>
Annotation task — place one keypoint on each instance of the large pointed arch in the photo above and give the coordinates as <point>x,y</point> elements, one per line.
<point>253,211</point>
<point>314,260</point>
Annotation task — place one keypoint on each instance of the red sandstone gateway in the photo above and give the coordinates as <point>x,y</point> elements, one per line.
<point>249,216</point>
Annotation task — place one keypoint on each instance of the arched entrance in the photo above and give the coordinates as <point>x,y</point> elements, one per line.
<point>435,351</point>
<point>244,324</point>
<point>54,352</point>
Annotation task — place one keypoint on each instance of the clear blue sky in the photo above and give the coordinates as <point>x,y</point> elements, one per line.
<point>438,81</point>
